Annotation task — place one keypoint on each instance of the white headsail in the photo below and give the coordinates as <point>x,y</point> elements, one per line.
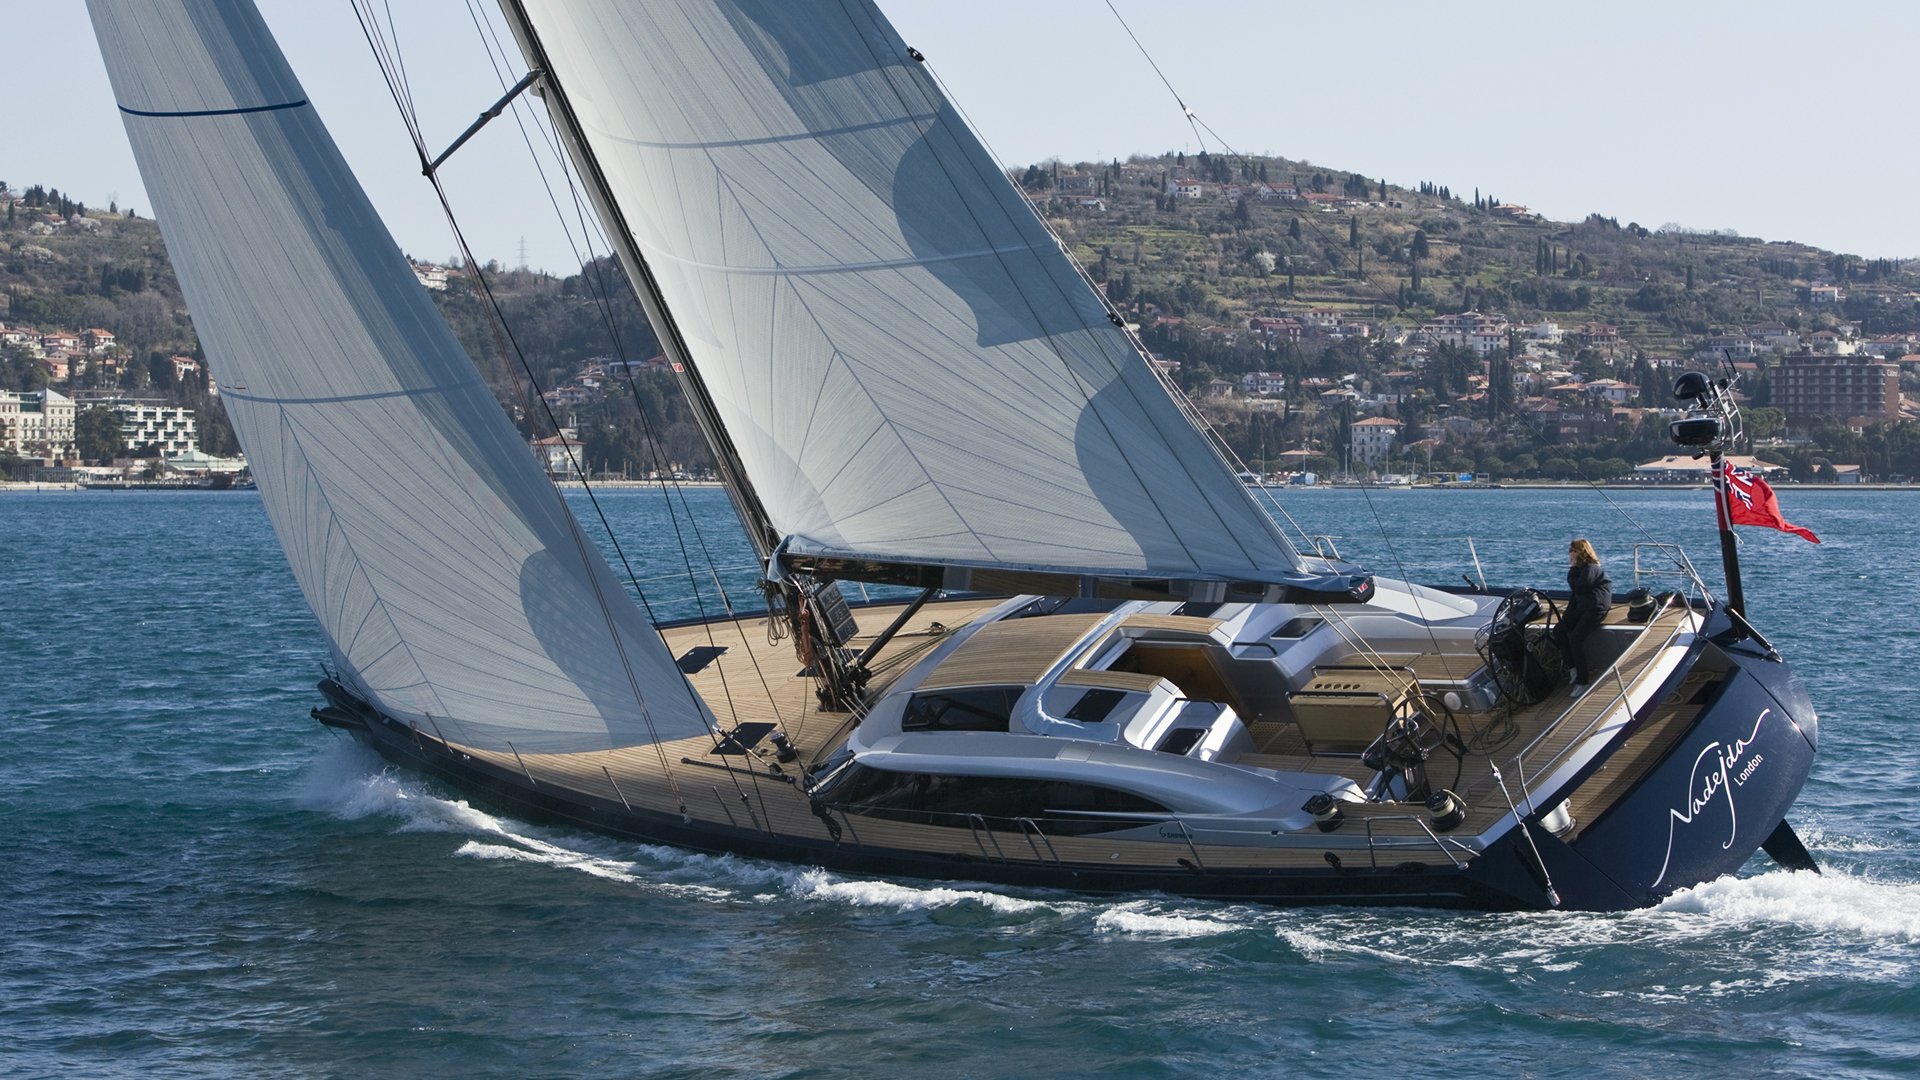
<point>446,571</point>
<point>909,365</point>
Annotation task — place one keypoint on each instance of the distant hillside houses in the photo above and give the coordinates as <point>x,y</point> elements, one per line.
<point>1322,324</point>
<point>1264,383</point>
<point>1484,333</point>
<point>588,385</point>
<point>60,353</point>
<point>434,276</point>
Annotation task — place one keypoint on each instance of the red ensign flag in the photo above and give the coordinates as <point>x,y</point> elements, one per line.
<point>1751,501</point>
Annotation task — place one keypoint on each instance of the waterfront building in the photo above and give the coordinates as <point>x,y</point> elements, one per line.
<point>36,424</point>
<point>170,428</point>
<point>1373,439</point>
<point>1858,389</point>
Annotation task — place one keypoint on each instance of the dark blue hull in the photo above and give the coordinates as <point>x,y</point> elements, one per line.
<point>1713,800</point>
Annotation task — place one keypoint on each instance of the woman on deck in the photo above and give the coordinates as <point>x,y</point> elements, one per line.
<point>1592,598</point>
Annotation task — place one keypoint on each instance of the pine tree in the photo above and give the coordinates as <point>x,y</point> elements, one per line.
<point>1353,233</point>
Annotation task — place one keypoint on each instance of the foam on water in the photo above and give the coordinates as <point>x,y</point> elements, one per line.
<point>1139,917</point>
<point>353,783</point>
<point>819,884</point>
<point>1843,904</point>
<point>170,916</point>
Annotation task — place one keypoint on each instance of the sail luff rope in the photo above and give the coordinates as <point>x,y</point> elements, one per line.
<point>603,303</point>
<point>368,26</point>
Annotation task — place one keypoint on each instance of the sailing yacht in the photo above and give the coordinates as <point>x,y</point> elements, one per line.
<point>1114,672</point>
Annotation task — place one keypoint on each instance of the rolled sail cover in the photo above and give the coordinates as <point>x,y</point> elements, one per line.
<point>455,588</point>
<point>909,365</point>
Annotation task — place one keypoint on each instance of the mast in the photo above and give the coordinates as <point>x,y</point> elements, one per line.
<point>1729,548</point>
<point>1711,425</point>
<point>733,473</point>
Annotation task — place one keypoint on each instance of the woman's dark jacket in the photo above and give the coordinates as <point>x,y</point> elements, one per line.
<point>1592,595</point>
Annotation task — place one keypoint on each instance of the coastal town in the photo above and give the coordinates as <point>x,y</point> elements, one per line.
<point>1331,329</point>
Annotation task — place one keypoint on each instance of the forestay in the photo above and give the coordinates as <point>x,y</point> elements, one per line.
<point>909,365</point>
<point>454,586</point>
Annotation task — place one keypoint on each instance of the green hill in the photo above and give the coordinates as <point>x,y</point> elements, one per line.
<point>1190,250</point>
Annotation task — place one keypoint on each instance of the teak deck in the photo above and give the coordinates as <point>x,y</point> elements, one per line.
<point>760,681</point>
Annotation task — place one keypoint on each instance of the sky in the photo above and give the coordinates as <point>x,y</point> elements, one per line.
<point>1786,121</point>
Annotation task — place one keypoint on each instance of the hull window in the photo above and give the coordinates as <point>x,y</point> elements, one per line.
<point>933,799</point>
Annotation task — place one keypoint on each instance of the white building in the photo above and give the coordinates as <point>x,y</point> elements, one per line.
<point>433,277</point>
<point>1484,334</point>
<point>559,455</point>
<point>1266,383</point>
<point>1373,439</point>
<point>170,428</point>
<point>37,425</point>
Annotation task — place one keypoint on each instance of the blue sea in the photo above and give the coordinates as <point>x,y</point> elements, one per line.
<point>198,880</point>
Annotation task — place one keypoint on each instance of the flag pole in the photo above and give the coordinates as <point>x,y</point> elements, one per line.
<point>1711,424</point>
<point>1729,549</point>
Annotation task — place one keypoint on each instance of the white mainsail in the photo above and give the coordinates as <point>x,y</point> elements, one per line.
<point>455,588</point>
<point>909,366</point>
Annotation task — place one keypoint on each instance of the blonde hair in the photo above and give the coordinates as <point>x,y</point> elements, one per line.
<point>1583,553</point>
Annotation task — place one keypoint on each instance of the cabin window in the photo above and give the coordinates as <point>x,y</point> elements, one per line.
<point>934,799</point>
<point>977,708</point>
<point>1294,629</point>
<point>1095,705</point>
<point>1197,609</point>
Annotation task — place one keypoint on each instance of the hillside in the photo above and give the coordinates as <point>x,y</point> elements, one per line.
<point>1345,292</point>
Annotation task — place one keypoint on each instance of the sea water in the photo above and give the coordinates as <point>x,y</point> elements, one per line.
<point>198,880</point>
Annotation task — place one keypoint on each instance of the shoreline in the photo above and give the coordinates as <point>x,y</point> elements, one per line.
<point>39,487</point>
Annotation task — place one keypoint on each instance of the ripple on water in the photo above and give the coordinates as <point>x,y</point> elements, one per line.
<point>199,881</point>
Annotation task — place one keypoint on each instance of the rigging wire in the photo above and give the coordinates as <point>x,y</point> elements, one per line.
<point>377,41</point>
<point>592,262</point>
<point>1194,119</point>
<point>1197,124</point>
<point>1091,328</point>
